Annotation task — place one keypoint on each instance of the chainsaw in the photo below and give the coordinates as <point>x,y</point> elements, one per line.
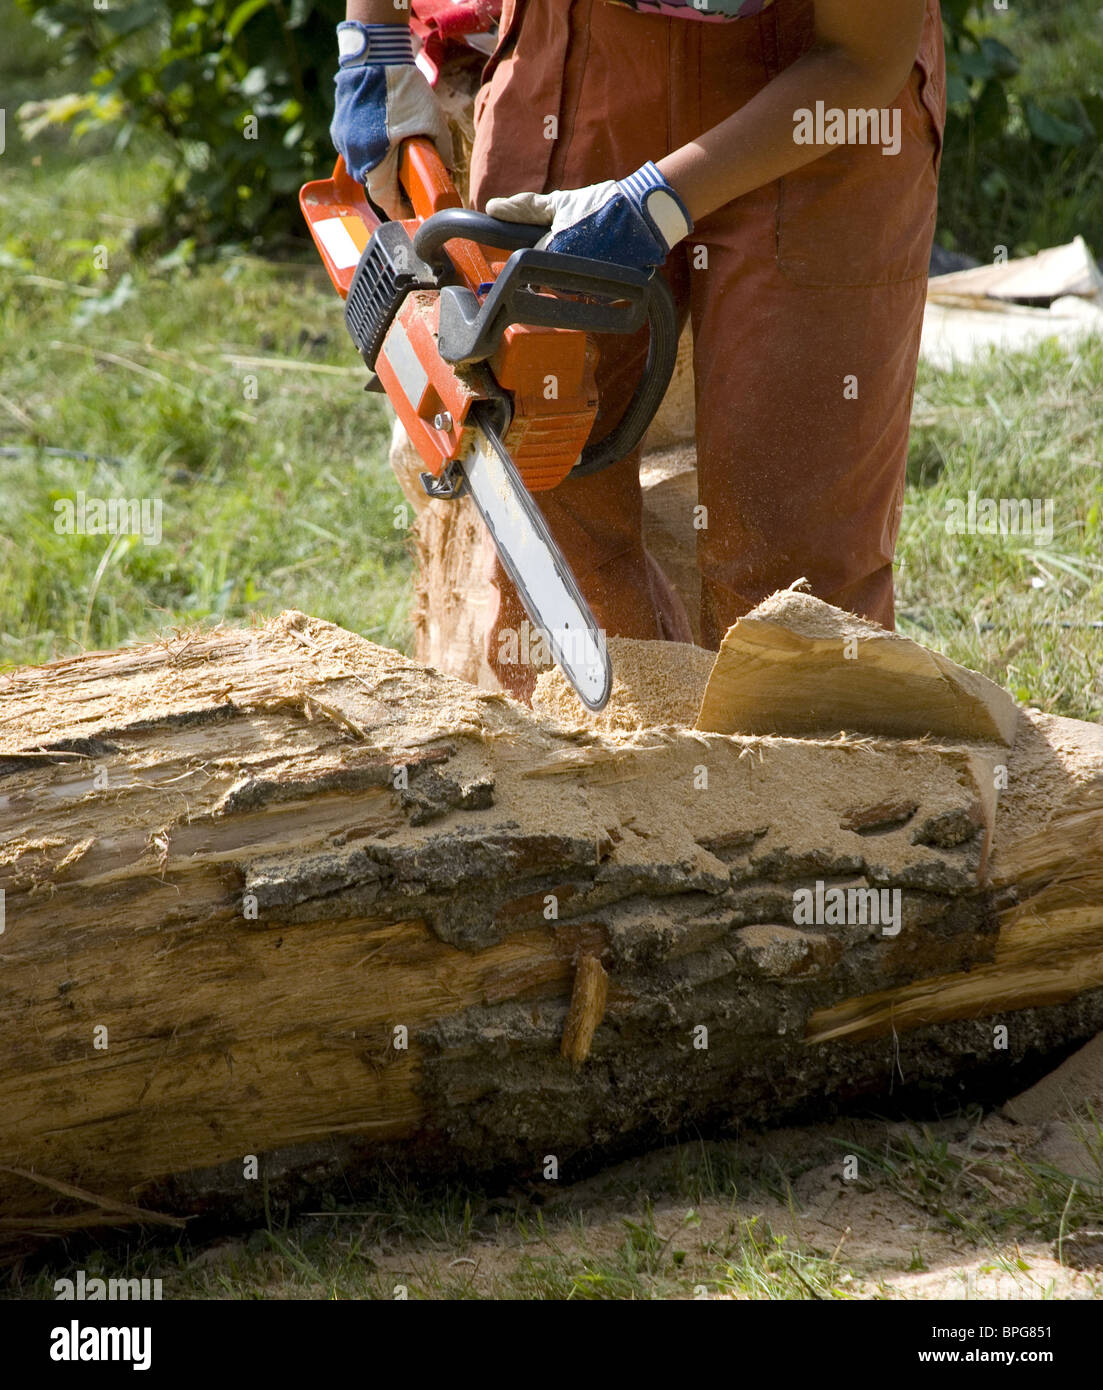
<point>489,364</point>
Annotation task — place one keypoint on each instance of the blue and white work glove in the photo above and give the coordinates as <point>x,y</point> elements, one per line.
<point>382,99</point>
<point>633,222</point>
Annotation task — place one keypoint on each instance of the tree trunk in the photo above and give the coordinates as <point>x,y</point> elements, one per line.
<point>285,893</point>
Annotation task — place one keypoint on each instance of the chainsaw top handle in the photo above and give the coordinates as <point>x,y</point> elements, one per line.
<point>603,298</point>
<point>470,225</point>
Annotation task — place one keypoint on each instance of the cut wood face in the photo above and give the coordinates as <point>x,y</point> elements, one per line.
<point>796,665</point>
<point>287,893</point>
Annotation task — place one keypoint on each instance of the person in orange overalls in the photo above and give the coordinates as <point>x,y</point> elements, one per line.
<point>704,138</point>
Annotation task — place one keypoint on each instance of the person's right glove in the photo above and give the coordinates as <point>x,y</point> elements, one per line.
<point>382,99</point>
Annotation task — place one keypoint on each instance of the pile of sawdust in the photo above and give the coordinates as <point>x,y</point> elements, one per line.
<point>654,684</point>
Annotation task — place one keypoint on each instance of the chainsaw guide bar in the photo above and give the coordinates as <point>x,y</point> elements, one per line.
<point>534,562</point>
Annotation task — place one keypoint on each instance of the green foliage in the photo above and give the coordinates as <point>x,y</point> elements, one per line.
<point>980,93</point>
<point>1022,166</point>
<point>242,88</point>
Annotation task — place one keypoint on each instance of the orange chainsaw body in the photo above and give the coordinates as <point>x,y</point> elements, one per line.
<point>548,372</point>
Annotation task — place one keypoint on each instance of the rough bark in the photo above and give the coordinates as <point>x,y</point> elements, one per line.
<point>259,860</point>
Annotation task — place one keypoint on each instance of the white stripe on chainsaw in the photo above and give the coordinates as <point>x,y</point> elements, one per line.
<point>339,245</point>
<point>399,352</point>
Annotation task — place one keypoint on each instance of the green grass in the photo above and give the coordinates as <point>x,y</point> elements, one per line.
<point>433,1241</point>
<point>992,1200</point>
<point>1022,612</point>
<point>227,393</point>
<point>674,1226</point>
<point>271,474</point>
<point>989,1196</point>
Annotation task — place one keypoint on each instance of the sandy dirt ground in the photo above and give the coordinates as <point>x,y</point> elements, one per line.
<point>882,1242</point>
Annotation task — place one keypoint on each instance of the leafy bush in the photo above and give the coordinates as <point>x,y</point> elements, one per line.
<point>243,88</point>
<point>1020,169</point>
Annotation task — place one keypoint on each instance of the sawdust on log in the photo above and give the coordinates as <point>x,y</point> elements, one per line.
<point>655,685</point>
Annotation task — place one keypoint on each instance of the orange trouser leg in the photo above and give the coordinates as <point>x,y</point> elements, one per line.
<point>807,312</point>
<point>802,432</point>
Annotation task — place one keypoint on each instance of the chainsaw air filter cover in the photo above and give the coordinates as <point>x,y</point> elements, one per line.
<point>388,270</point>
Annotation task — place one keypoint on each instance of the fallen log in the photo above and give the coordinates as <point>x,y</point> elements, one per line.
<point>280,902</point>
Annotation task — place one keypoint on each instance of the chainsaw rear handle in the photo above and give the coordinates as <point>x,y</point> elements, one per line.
<point>616,299</point>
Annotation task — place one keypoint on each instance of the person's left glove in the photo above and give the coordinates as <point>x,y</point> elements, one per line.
<point>633,222</point>
<point>382,99</point>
